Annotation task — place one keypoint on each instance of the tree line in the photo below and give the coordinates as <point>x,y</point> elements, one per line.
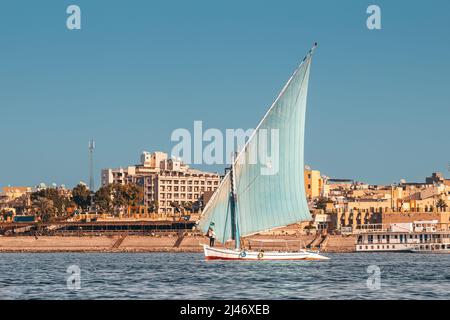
<point>52,204</point>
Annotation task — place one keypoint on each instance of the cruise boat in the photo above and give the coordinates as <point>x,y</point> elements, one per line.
<point>417,236</point>
<point>443,247</point>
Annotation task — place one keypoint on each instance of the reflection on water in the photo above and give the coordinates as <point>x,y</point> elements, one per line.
<point>188,276</point>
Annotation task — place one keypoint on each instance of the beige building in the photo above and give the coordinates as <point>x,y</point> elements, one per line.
<point>166,182</point>
<point>351,220</point>
<point>313,183</point>
<point>11,193</point>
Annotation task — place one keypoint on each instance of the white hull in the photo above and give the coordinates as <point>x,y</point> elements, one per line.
<point>432,248</point>
<point>447,251</point>
<point>227,254</point>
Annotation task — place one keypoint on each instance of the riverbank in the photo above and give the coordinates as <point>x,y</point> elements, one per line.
<point>119,243</point>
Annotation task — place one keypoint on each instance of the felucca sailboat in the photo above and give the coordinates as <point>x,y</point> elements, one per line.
<point>249,200</point>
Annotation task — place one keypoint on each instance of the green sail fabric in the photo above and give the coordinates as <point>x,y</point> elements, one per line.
<point>270,190</point>
<point>217,213</point>
<point>271,193</point>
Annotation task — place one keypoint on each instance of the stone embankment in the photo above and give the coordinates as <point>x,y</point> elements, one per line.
<point>183,243</point>
<point>339,244</point>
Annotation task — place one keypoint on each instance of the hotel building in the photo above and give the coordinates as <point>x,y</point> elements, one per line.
<point>166,182</point>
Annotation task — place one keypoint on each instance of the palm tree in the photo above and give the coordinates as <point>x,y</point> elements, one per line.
<point>103,199</point>
<point>45,208</point>
<point>134,194</point>
<point>187,205</point>
<point>321,203</point>
<point>81,195</point>
<point>441,204</point>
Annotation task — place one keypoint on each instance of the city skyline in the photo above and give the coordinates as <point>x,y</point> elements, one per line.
<point>377,107</point>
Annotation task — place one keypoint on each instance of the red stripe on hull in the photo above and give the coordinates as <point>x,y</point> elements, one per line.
<point>269,259</point>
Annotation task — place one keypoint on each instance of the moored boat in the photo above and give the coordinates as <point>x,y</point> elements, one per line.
<point>431,248</point>
<point>264,187</point>
<point>238,254</point>
<point>417,236</point>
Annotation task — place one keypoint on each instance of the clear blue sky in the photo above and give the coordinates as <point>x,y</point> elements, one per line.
<point>379,103</point>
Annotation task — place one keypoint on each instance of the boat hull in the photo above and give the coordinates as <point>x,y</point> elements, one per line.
<point>432,248</point>
<point>227,254</point>
<point>445,251</point>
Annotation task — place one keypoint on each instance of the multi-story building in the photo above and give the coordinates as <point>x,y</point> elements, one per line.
<point>11,193</point>
<point>166,182</point>
<point>313,183</point>
<point>10,197</point>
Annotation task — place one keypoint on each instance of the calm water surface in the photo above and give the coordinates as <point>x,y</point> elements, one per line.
<point>188,276</point>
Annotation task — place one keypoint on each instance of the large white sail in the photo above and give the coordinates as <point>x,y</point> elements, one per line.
<point>270,191</point>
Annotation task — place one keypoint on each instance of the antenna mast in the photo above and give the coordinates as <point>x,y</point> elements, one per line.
<point>91,165</point>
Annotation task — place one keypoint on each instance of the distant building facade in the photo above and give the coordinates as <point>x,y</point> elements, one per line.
<point>166,182</point>
<point>314,184</point>
<point>12,193</point>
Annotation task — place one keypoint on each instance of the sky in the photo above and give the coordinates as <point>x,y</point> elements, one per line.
<point>378,103</point>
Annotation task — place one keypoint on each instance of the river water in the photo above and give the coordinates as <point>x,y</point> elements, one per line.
<point>188,276</point>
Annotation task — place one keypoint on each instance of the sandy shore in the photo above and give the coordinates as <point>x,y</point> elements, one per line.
<point>137,244</point>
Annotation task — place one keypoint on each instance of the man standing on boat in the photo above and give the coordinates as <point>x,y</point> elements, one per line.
<point>212,237</point>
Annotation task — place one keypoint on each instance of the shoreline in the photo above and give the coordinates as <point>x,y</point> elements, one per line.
<point>146,244</point>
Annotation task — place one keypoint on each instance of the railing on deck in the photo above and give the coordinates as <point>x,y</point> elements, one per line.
<point>397,227</point>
